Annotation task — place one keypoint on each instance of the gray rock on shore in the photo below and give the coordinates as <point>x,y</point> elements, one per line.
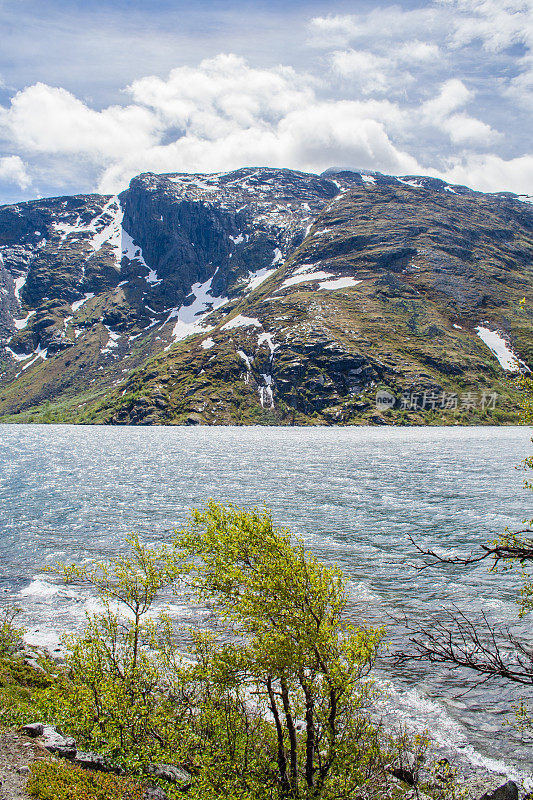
<point>508,791</point>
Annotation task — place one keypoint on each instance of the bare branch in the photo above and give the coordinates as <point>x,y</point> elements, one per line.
<point>477,645</point>
<point>519,551</point>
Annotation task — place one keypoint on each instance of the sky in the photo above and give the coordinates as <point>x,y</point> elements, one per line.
<point>93,93</point>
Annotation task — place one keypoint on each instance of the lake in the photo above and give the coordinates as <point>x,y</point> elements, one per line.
<point>354,494</point>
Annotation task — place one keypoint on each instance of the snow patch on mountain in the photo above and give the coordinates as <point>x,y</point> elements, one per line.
<point>500,348</point>
<point>255,279</point>
<point>266,337</point>
<point>19,283</point>
<point>306,278</point>
<point>247,360</point>
<point>17,356</point>
<point>20,324</point>
<point>78,303</point>
<point>190,319</point>
<point>338,283</point>
<point>278,256</point>
<point>241,321</point>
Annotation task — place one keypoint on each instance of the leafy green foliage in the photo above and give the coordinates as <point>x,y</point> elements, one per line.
<point>20,687</point>
<point>272,704</point>
<point>304,661</point>
<point>117,669</point>
<point>60,781</point>
<point>11,635</point>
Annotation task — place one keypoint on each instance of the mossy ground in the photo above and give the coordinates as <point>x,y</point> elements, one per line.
<point>63,781</point>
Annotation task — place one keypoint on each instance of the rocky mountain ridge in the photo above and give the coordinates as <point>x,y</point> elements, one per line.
<point>266,296</point>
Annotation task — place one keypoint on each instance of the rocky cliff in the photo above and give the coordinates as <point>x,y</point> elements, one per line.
<point>266,296</point>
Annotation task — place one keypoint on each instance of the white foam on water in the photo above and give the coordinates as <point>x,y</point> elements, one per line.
<point>417,713</point>
<point>48,638</point>
<point>39,587</point>
<point>359,591</point>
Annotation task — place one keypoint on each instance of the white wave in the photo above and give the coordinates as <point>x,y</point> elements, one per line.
<point>47,638</point>
<point>40,588</point>
<point>417,713</point>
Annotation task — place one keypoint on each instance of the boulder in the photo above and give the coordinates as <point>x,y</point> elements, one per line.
<point>31,662</point>
<point>403,774</point>
<point>33,729</point>
<point>94,761</point>
<point>154,793</point>
<point>64,746</point>
<point>166,772</point>
<point>507,791</point>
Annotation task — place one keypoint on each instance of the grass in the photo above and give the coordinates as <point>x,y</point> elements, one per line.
<point>20,683</point>
<point>63,781</point>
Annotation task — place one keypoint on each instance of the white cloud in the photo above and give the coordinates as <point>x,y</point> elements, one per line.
<point>225,112</point>
<point>460,127</point>
<point>453,94</point>
<point>491,173</point>
<point>310,138</point>
<point>13,170</point>
<point>340,133</point>
<point>367,70</point>
<point>336,30</point>
<point>45,119</point>
<point>498,24</point>
<point>464,129</point>
<point>417,51</point>
<point>223,91</point>
<point>381,24</point>
<point>221,115</point>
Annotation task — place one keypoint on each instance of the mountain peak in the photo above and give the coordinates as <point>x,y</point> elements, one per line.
<point>262,294</point>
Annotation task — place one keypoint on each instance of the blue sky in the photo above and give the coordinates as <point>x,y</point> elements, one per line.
<point>93,93</point>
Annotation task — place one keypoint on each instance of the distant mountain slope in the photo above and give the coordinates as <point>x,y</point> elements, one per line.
<point>266,296</point>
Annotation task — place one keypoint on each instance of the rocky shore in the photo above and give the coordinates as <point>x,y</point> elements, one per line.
<point>22,747</point>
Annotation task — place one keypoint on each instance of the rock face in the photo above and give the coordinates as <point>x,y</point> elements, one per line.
<point>508,791</point>
<point>265,296</point>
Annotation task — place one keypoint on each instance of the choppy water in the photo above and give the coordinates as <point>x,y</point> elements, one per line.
<point>354,494</point>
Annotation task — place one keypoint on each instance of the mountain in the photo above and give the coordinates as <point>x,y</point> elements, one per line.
<point>266,296</point>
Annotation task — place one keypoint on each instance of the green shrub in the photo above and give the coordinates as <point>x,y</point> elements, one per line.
<point>275,703</point>
<point>59,781</point>
<point>11,635</point>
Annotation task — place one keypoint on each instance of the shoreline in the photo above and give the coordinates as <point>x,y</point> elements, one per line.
<point>475,777</point>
